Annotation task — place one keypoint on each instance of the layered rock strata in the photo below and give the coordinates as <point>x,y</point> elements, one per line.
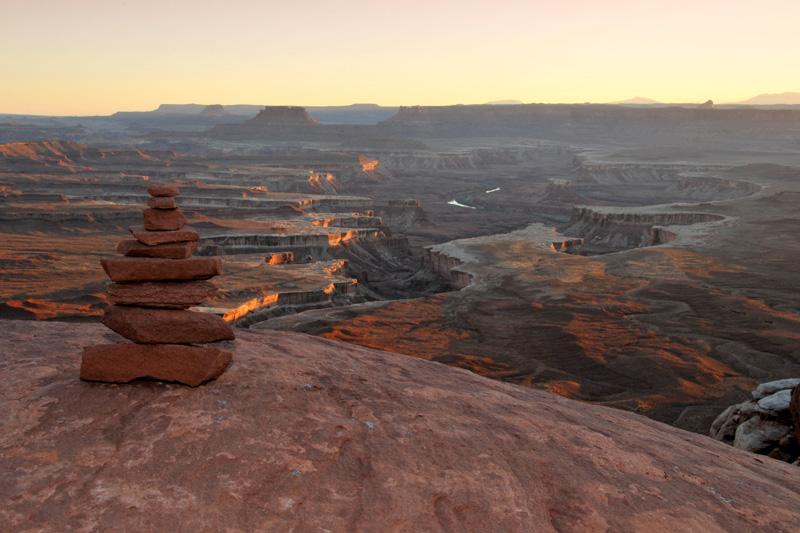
<point>155,282</point>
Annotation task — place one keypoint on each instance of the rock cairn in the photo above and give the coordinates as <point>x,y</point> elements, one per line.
<point>156,280</point>
<point>764,424</point>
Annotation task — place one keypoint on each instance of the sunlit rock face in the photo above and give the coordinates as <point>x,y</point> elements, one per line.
<point>305,433</point>
<point>69,157</point>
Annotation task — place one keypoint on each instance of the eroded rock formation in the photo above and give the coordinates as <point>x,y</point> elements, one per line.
<point>283,115</point>
<point>612,229</point>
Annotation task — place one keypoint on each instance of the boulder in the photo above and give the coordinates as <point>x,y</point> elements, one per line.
<point>163,190</point>
<point>151,238</point>
<point>776,404</point>
<point>771,387</point>
<point>724,426</point>
<point>168,294</point>
<point>122,269</point>
<point>176,250</point>
<point>758,434</point>
<point>121,363</point>
<point>163,219</point>
<point>166,326</point>
<point>161,202</point>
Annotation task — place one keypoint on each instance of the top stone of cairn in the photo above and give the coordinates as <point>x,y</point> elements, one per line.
<point>160,191</point>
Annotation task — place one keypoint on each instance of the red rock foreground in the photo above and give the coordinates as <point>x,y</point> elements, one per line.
<point>306,434</point>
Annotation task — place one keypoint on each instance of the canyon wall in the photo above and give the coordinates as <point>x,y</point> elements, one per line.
<point>609,229</point>
<point>446,266</point>
<point>261,241</point>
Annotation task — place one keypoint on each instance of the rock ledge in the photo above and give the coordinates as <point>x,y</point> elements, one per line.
<point>306,434</point>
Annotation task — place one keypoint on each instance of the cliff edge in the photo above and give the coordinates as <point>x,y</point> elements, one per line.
<point>306,434</point>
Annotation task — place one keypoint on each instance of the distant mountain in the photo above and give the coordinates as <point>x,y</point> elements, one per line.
<point>204,110</point>
<point>773,99</point>
<point>504,102</point>
<point>177,109</point>
<point>278,115</point>
<point>215,110</point>
<point>350,114</point>
<point>638,100</point>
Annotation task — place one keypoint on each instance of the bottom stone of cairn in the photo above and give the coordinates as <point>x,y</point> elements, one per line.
<point>121,363</point>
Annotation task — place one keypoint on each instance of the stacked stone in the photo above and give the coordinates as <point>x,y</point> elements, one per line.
<point>156,280</point>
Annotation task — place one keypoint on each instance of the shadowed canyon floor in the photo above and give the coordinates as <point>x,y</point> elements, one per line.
<point>304,434</point>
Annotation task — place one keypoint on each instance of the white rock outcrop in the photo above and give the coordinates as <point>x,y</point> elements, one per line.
<point>762,425</point>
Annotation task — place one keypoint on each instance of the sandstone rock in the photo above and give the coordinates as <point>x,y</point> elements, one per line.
<point>775,404</point>
<point>765,389</point>
<point>279,258</point>
<point>161,202</point>
<point>152,238</point>
<point>163,219</point>
<point>724,426</point>
<point>163,190</point>
<point>279,443</point>
<point>794,408</point>
<point>121,269</point>
<point>282,115</point>
<point>177,250</point>
<point>166,326</point>
<point>757,434</point>
<point>121,363</point>
<point>175,294</point>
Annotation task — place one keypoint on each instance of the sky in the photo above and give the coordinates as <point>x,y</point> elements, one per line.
<point>95,57</point>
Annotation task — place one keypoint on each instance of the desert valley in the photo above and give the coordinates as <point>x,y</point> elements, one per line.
<point>637,257</point>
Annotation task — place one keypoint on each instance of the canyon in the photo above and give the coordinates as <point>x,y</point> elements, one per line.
<point>529,317</point>
<point>634,258</point>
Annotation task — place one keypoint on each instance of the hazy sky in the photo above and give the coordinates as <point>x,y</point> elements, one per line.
<point>84,57</point>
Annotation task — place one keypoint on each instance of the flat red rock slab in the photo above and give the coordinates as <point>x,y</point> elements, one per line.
<point>121,363</point>
<point>146,325</point>
<point>298,428</point>
<point>122,269</point>
<point>161,202</point>
<point>176,250</point>
<point>163,219</point>
<point>168,294</point>
<point>163,190</point>
<point>151,238</point>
